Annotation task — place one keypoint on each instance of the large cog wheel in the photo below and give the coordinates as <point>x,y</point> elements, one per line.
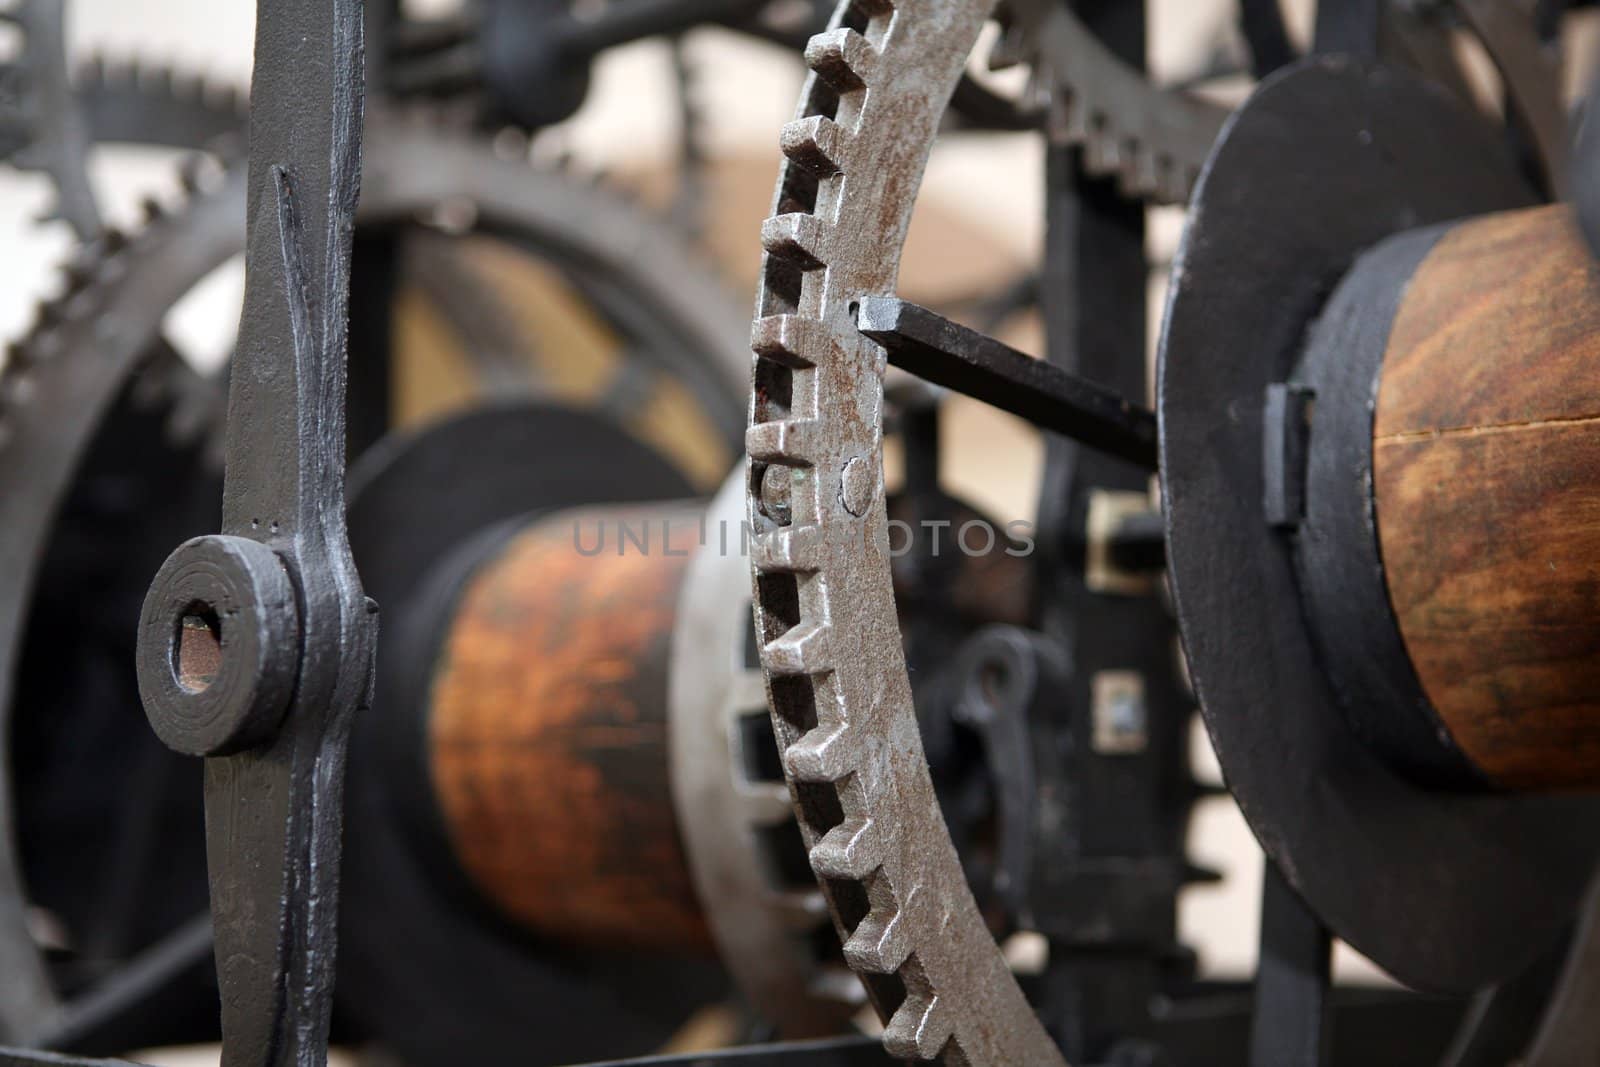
<point>102,337</point>
<point>837,682</point>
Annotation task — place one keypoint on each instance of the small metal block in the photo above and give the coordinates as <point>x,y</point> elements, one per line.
<point>1285,429</point>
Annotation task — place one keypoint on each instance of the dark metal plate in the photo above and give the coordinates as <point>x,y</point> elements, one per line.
<point>1447,892</point>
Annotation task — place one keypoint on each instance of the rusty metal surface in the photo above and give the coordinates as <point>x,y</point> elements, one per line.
<point>837,682</point>
<point>730,806</point>
<point>548,729</point>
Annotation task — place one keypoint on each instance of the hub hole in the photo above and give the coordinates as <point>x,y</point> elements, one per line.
<point>197,652</point>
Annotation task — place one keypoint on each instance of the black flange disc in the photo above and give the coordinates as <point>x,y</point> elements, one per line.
<point>1447,891</point>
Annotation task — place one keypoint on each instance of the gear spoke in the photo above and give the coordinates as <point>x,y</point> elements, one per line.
<point>291,632</point>
<point>1053,398</point>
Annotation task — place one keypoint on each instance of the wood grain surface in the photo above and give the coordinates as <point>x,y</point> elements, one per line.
<point>548,732</point>
<point>1486,471</point>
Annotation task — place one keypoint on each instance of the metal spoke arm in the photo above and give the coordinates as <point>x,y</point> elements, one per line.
<point>1292,981</point>
<point>940,351</point>
<point>255,645</point>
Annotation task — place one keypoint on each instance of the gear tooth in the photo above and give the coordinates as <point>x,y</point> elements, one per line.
<point>794,442</point>
<point>803,649</point>
<point>1072,119</point>
<point>49,312</point>
<point>788,550</point>
<point>919,1029</point>
<point>791,339</point>
<point>78,272</point>
<point>879,944</point>
<point>1101,152</point>
<point>511,142</point>
<point>816,143</point>
<point>843,58</point>
<point>1140,172</point>
<point>18,386</point>
<point>44,345</point>
<point>821,756</point>
<point>849,850</point>
<point>80,304</point>
<point>796,237</point>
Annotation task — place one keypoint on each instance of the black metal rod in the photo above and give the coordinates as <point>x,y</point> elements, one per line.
<point>940,351</point>
<point>1290,1023</point>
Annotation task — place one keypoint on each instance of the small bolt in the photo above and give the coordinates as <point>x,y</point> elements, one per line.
<point>776,491</point>
<point>857,484</point>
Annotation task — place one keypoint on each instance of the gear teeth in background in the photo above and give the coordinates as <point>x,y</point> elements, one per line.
<point>44,129</point>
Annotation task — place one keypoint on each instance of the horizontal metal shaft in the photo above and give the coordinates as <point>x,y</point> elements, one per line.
<point>942,352</point>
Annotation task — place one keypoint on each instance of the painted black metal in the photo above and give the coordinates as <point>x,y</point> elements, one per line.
<point>1501,1022</point>
<point>242,584</point>
<point>1348,27</point>
<point>1004,672</point>
<point>948,354</point>
<point>1337,555</point>
<point>1110,857</point>
<point>1289,1025</point>
<point>426,508</point>
<point>531,62</point>
<point>273,813</point>
<point>1445,891</point>
<point>1566,1029</point>
<point>1261,22</point>
<point>150,999</point>
<point>1138,543</point>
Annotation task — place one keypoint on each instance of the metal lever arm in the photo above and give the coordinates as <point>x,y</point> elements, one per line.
<point>256,645</point>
